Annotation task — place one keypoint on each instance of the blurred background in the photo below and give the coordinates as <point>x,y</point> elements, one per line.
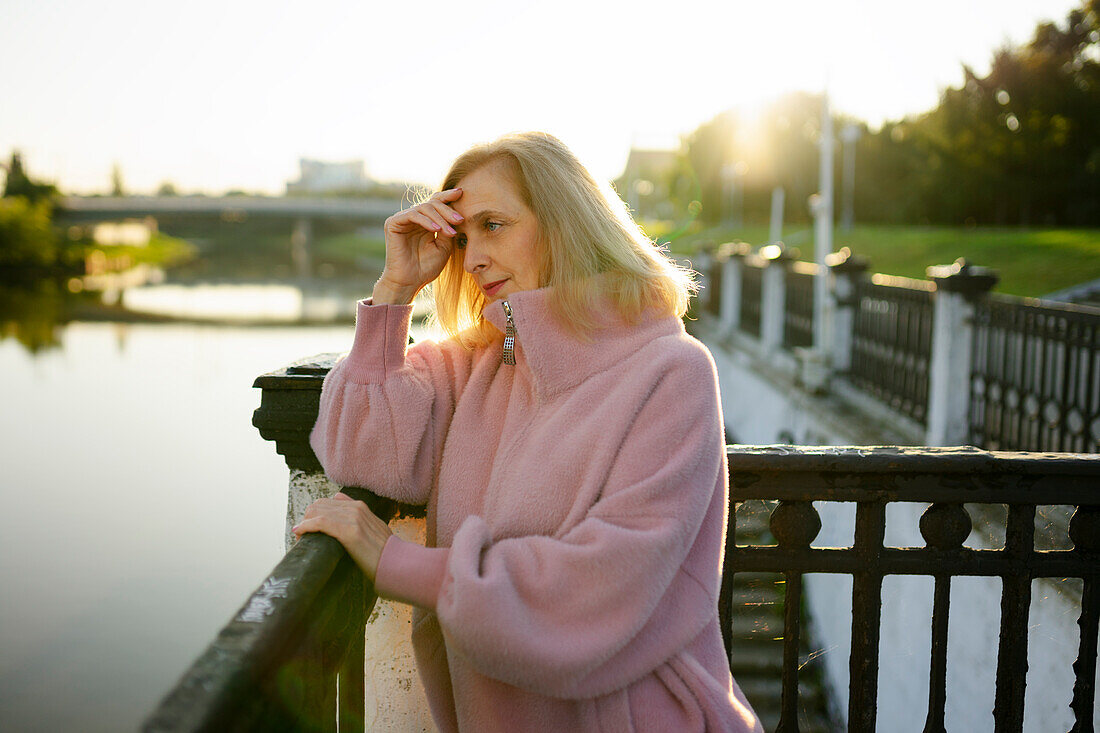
<point>194,196</point>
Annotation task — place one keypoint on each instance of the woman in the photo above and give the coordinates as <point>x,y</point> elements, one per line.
<point>567,440</point>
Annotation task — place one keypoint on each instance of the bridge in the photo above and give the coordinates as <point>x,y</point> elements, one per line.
<point>123,207</point>
<point>302,211</point>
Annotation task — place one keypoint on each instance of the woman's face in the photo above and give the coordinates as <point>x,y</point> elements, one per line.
<point>499,236</point>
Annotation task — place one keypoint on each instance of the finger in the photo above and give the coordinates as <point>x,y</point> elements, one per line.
<point>342,496</point>
<point>445,211</point>
<point>426,220</point>
<point>443,227</point>
<point>322,524</point>
<point>451,194</point>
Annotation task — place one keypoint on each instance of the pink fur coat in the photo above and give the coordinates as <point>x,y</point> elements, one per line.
<point>577,506</point>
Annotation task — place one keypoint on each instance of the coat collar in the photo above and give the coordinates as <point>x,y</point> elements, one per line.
<point>557,358</point>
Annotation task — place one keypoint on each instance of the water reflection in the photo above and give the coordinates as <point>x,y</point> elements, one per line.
<point>148,507</point>
<point>33,313</point>
<point>246,302</point>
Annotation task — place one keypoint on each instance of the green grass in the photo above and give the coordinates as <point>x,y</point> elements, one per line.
<point>162,250</point>
<point>1031,262</point>
<point>350,246</point>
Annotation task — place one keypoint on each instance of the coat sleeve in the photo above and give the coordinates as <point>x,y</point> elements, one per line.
<point>385,408</point>
<point>595,609</point>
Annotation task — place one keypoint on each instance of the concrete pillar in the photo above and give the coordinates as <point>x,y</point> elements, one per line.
<point>301,242</point>
<point>773,296</point>
<point>958,289</point>
<point>733,256</point>
<point>395,699</point>
<point>846,271</point>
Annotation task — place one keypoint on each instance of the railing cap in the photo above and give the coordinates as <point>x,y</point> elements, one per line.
<point>843,261</point>
<point>736,248</point>
<point>964,278</point>
<point>903,459</point>
<point>779,252</point>
<point>306,373</point>
<point>288,408</point>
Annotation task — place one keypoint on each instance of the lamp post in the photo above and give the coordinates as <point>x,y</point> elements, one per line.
<point>822,208</point>
<point>849,136</point>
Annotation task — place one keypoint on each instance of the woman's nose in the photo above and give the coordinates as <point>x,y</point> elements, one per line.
<point>474,258</point>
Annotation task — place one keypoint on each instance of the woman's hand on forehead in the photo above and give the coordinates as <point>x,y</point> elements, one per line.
<point>419,241</point>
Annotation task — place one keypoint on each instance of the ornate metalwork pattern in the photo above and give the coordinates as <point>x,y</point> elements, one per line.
<point>1035,383</point>
<point>752,286</point>
<point>798,313</point>
<point>892,342</point>
<point>945,478</point>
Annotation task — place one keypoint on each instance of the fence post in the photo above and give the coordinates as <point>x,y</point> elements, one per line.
<point>732,267</point>
<point>773,296</point>
<point>394,698</point>
<point>847,270</point>
<point>958,288</point>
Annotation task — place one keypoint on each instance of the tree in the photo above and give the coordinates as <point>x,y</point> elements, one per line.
<point>18,183</point>
<point>117,189</point>
<point>27,238</point>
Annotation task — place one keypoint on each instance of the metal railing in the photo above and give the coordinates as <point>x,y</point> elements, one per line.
<point>1035,381</point>
<point>798,313</point>
<point>946,479</point>
<point>292,657</point>
<point>892,342</point>
<point>752,291</point>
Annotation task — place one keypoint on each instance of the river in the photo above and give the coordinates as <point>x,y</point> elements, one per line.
<point>141,508</point>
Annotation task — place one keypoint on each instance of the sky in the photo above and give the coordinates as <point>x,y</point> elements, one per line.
<point>226,95</point>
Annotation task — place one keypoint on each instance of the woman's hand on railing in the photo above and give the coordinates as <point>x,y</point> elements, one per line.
<point>350,522</point>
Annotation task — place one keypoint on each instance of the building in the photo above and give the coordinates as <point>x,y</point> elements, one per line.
<point>317,176</point>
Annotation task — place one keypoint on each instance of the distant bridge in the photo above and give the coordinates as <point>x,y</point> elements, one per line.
<point>115,207</point>
<point>302,211</point>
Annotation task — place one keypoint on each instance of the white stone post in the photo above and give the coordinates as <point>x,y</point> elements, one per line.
<point>732,269</point>
<point>846,272</point>
<point>775,230</point>
<point>773,298</point>
<point>958,288</point>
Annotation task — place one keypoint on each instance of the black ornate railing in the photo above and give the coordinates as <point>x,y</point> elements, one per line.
<point>752,287</point>
<point>1035,382</point>
<point>945,478</point>
<point>892,342</point>
<point>798,312</point>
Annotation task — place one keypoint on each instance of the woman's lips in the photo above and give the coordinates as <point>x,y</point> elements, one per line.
<point>493,287</point>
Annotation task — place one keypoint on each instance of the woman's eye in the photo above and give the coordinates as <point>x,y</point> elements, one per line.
<point>492,226</point>
<point>460,241</point>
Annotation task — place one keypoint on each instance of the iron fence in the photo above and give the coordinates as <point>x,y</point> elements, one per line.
<point>714,284</point>
<point>946,479</point>
<point>798,311</point>
<point>892,342</point>
<point>1035,381</point>
<point>752,290</point>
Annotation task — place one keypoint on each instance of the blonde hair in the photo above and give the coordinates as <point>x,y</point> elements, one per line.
<point>582,233</point>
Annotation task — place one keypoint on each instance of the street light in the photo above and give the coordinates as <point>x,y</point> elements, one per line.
<point>849,136</point>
